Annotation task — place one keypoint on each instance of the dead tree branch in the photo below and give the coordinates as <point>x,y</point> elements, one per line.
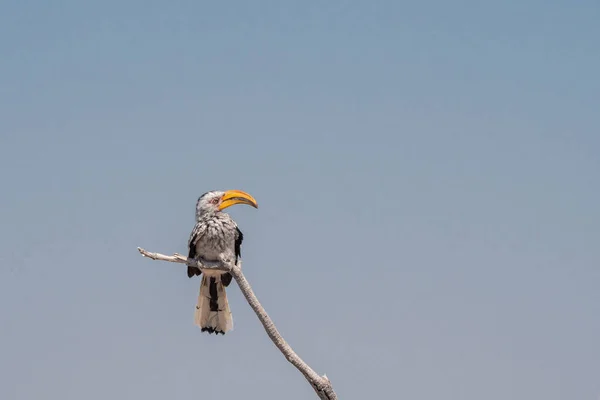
<point>320,384</point>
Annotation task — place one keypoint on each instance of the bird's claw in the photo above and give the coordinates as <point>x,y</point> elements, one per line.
<point>224,259</point>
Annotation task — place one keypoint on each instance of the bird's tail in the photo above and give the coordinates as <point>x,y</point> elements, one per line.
<point>212,310</point>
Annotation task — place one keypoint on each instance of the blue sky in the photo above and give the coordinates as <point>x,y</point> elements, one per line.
<point>427,175</point>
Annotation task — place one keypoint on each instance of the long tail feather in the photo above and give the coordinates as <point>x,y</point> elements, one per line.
<point>212,310</point>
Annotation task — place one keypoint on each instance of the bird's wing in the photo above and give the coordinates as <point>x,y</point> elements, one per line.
<point>239,237</point>
<point>197,232</point>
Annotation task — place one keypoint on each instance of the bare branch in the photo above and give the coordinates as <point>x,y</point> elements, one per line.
<point>178,258</point>
<point>320,384</point>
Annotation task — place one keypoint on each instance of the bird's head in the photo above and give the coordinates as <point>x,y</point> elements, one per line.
<point>216,201</point>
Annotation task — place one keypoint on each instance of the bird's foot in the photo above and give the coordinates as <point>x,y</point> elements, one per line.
<point>222,263</point>
<point>208,264</point>
<point>225,259</point>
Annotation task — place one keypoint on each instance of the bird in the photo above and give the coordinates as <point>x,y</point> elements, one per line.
<point>215,237</point>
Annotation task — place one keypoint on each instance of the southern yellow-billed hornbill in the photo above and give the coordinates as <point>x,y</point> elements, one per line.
<point>215,236</point>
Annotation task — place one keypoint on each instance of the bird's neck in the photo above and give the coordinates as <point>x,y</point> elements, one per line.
<point>208,214</point>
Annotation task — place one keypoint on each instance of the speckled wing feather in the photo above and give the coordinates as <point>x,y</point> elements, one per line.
<point>196,234</point>
<point>239,237</point>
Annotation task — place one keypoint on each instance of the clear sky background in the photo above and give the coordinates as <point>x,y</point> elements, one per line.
<point>428,176</point>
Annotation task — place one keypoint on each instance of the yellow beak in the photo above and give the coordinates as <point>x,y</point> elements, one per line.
<point>232,197</point>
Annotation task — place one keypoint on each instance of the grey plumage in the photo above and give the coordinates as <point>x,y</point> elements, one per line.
<point>215,235</point>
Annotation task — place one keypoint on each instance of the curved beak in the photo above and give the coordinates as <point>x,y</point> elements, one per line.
<point>232,197</point>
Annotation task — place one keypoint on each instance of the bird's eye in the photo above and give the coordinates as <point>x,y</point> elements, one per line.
<point>215,200</point>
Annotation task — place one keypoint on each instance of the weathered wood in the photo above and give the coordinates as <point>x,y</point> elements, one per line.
<point>320,384</point>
